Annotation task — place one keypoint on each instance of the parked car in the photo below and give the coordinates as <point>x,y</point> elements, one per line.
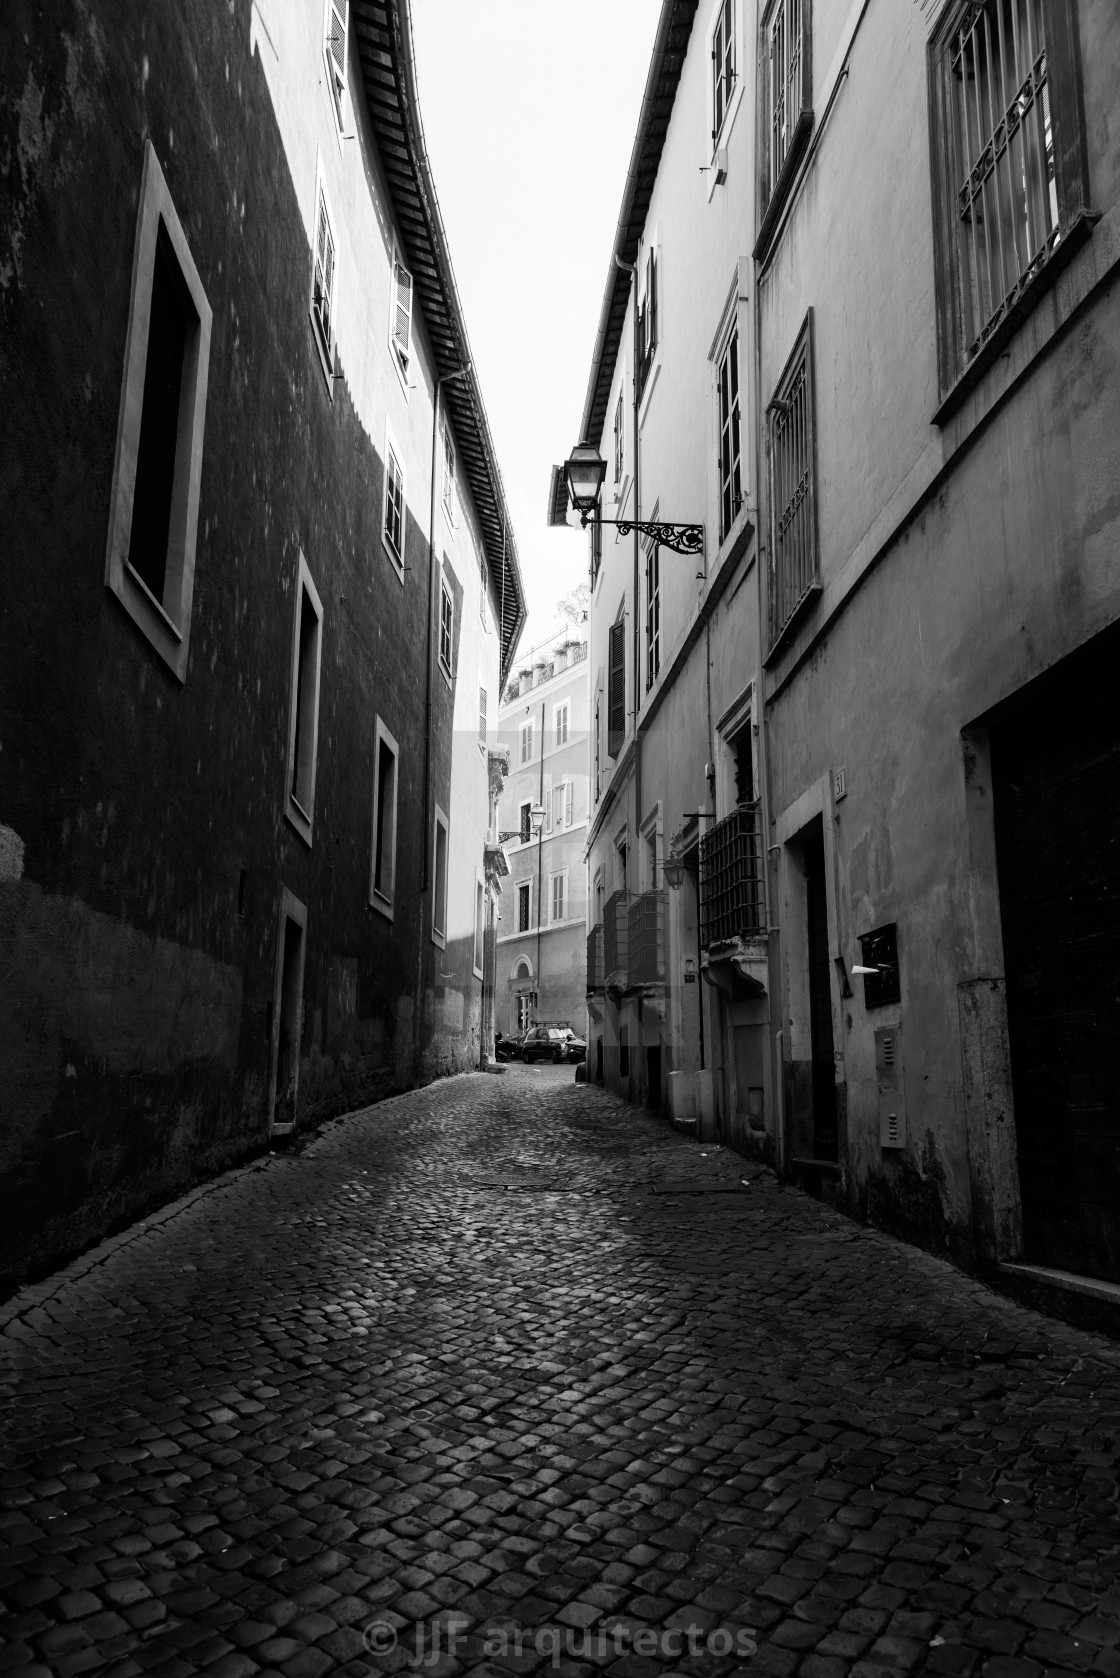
<point>575,1045</point>
<point>544,1042</point>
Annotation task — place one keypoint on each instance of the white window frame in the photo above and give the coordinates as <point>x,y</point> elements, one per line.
<point>446,614</point>
<point>380,899</point>
<point>324,342</point>
<point>483,590</point>
<point>560,799</point>
<point>483,720</point>
<point>301,811</point>
<point>561,711</point>
<point>337,77</point>
<point>720,123</point>
<point>525,736</point>
<point>520,886</point>
<point>525,805</point>
<point>166,622</point>
<point>478,950</point>
<point>393,454</point>
<point>732,323</point>
<point>402,357</point>
<point>619,440</point>
<point>439,878</point>
<point>448,491</point>
<point>553,918</point>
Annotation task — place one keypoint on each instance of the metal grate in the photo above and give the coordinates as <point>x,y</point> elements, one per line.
<point>731,895</point>
<point>616,931</point>
<point>595,958</point>
<point>646,935</point>
<point>1007,197</point>
<point>794,565</point>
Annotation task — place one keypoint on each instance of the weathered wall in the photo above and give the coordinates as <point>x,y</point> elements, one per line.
<point>135,995</point>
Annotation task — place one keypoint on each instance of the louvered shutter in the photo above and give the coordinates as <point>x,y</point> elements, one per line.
<point>548,797</point>
<point>616,689</point>
<point>402,321</point>
<point>567,803</point>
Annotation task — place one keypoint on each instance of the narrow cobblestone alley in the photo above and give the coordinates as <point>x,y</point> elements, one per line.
<point>504,1352</point>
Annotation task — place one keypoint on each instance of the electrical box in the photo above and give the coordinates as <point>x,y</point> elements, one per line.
<point>892,1099</point>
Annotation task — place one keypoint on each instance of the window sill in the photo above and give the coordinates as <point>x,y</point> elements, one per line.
<point>383,904</point>
<point>150,600</point>
<point>784,184</point>
<point>399,368</point>
<point>439,939</point>
<point>299,818</point>
<point>325,359</point>
<point>1032,295</point>
<point>781,640</point>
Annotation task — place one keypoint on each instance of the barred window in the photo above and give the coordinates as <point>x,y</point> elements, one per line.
<point>730,432</point>
<point>786,98</point>
<point>1008,161</point>
<point>794,563</point>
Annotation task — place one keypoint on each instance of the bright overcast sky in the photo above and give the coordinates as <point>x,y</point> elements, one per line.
<point>529,110</point>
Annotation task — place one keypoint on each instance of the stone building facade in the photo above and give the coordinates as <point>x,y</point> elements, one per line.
<point>260,598</point>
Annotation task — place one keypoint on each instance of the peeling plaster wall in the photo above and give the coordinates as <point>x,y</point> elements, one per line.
<point>134,996</point>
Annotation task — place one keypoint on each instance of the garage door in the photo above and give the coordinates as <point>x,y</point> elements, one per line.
<point>1057,787</point>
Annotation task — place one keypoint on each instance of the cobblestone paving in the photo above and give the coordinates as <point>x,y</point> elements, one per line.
<point>505,1353</point>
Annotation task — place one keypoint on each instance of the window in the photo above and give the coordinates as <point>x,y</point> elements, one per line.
<point>446,626</point>
<point>524,905</point>
<point>562,805</point>
<point>653,611</point>
<point>526,1009</point>
<point>392,524</point>
<point>561,715</point>
<point>787,113</point>
<point>153,517</point>
<point>597,747</point>
<point>481,718</point>
<point>303,704</point>
<point>525,821</point>
<point>479,924</point>
<point>439,881</point>
<point>1009,168</point>
<point>448,475</point>
<point>616,688</point>
<point>323,277</point>
<point>482,592</point>
<point>526,736</point>
<point>730,431</point>
<point>723,67</point>
<point>794,569</point>
<point>334,48</point>
<point>558,897</point>
<point>400,322</point>
<point>619,441</point>
<point>647,322</point>
<point>384,860</point>
<point>596,530</point>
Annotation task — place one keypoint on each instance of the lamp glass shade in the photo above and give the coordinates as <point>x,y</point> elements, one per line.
<point>673,870</point>
<point>536,817</point>
<point>585,470</point>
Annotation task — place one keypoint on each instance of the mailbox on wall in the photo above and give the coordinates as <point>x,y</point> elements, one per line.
<point>879,951</point>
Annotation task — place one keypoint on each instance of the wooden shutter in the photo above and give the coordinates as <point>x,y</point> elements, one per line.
<point>336,39</point>
<point>567,803</point>
<point>616,689</point>
<point>402,317</point>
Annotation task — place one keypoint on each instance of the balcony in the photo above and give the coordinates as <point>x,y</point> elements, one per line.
<point>732,900</point>
<point>646,933</point>
<point>616,935</point>
<point>595,958</point>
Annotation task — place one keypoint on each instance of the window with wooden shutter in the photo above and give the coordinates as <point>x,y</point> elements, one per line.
<point>619,441</point>
<point>448,475</point>
<point>616,689</point>
<point>402,314</point>
<point>787,111</point>
<point>730,432</point>
<point>392,527</point>
<point>647,324</point>
<point>446,627</point>
<point>337,18</point>
<point>723,67</point>
<point>567,803</point>
<point>482,718</point>
<point>322,295</point>
<point>525,822</point>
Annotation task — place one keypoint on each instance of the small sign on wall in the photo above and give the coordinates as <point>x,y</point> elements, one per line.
<point>839,784</point>
<point>690,970</point>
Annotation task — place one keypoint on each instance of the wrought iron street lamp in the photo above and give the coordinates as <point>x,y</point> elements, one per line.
<point>585,470</point>
<point>673,870</point>
<point>536,819</point>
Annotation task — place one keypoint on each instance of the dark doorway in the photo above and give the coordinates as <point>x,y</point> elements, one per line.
<point>825,1137</point>
<point>653,1079</point>
<point>1056,767</point>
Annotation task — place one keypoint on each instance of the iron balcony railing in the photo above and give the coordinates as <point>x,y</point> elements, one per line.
<point>647,938</point>
<point>616,931</point>
<point>595,980</point>
<point>731,896</point>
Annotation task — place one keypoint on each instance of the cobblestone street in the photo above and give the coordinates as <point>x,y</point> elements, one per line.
<point>506,1353</point>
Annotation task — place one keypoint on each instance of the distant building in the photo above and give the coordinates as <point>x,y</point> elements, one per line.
<point>260,598</point>
<point>541,943</point>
